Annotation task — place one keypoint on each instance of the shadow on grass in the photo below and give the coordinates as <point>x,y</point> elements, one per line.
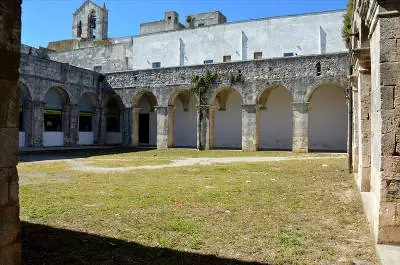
<point>46,245</point>
<point>76,153</point>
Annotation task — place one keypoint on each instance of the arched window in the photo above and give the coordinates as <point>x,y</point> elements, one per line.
<point>318,67</point>
<point>79,29</point>
<point>92,24</point>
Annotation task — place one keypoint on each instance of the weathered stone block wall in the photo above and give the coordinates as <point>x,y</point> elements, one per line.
<point>10,31</point>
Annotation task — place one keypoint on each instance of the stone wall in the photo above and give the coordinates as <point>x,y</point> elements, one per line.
<point>376,61</point>
<point>10,30</point>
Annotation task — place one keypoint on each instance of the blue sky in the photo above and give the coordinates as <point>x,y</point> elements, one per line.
<point>50,20</point>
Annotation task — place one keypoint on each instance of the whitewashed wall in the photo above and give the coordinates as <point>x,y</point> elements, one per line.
<point>228,123</point>
<point>21,139</point>
<point>53,139</point>
<point>114,138</point>
<point>328,119</point>
<point>85,138</point>
<point>185,123</point>
<point>276,121</point>
<point>273,37</point>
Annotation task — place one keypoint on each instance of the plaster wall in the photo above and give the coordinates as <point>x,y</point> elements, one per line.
<point>228,123</point>
<point>276,121</point>
<point>86,138</point>
<point>328,119</point>
<point>114,138</point>
<point>53,139</point>
<point>21,139</point>
<point>185,126</point>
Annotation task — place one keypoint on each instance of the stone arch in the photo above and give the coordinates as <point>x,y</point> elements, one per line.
<point>226,116</point>
<point>87,122</point>
<point>311,89</point>
<point>275,118</point>
<point>145,118</point>
<point>64,94</point>
<point>327,118</point>
<point>182,118</point>
<point>112,118</point>
<point>56,117</point>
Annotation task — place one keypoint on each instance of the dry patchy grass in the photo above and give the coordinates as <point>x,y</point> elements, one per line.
<point>291,212</point>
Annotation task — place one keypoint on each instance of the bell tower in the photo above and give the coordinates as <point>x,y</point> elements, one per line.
<point>90,22</point>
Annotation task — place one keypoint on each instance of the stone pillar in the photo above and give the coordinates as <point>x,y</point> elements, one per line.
<point>364,128</point>
<point>96,113</point>
<point>10,39</point>
<point>28,122</point>
<point>74,125</point>
<point>103,126</point>
<point>171,121</point>
<point>355,161</point>
<point>205,135</point>
<point>126,128</point>
<point>37,124</point>
<point>300,127</point>
<point>135,127</point>
<point>250,127</point>
<point>162,127</point>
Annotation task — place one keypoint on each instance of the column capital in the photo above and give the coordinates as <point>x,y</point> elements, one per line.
<point>203,107</point>
<point>250,108</point>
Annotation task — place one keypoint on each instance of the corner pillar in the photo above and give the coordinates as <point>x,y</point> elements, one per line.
<point>135,127</point>
<point>300,127</point>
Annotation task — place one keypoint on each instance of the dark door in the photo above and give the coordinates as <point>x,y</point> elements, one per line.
<point>144,128</point>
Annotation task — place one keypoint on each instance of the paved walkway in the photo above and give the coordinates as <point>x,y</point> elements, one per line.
<point>84,165</point>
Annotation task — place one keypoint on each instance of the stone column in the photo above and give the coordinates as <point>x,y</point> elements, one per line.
<point>126,127</point>
<point>300,127</point>
<point>103,126</point>
<point>171,121</point>
<point>28,122</point>
<point>37,124</point>
<point>74,124</point>
<point>135,127</point>
<point>66,124</point>
<point>96,113</point>
<point>205,135</point>
<point>162,127</point>
<point>10,27</point>
<point>250,127</point>
<point>355,161</point>
<point>364,128</point>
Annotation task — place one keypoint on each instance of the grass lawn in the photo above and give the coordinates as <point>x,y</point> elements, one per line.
<point>289,212</point>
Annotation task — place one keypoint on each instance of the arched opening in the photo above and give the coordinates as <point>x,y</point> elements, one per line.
<point>227,118</point>
<point>87,103</point>
<point>147,119</point>
<point>184,122</point>
<point>113,111</point>
<point>92,24</point>
<point>328,119</point>
<point>79,29</point>
<point>275,118</point>
<point>55,116</point>
<point>23,115</point>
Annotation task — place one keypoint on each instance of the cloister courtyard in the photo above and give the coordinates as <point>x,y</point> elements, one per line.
<point>181,206</point>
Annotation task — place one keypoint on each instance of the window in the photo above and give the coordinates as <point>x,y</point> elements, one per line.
<point>156,65</point>
<point>288,54</point>
<point>201,25</point>
<point>85,121</point>
<point>52,120</point>
<point>98,69</point>
<point>257,55</point>
<point>318,68</point>
<point>227,59</point>
<point>92,24</point>
<point>208,61</point>
<point>79,29</point>
<point>169,18</point>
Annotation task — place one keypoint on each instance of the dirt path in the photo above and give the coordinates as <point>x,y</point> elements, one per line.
<point>84,166</point>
